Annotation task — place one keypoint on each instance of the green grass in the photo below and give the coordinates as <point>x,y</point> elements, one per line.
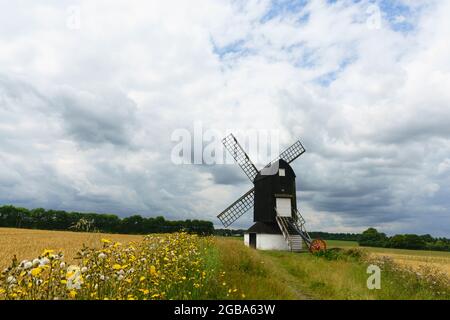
<point>427,253</point>
<point>341,244</point>
<point>286,275</point>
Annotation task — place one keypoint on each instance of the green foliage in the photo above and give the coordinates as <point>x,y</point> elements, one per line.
<point>372,238</point>
<point>341,254</point>
<point>40,218</point>
<point>335,236</point>
<point>407,241</point>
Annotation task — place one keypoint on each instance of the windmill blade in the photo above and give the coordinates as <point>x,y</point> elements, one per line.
<point>237,209</point>
<point>233,146</point>
<point>291,153</point>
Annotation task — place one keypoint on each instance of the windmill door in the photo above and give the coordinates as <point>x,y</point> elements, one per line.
<point>284,207</point>
<point>252,240</point>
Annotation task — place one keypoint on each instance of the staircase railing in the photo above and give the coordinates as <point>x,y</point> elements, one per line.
<point>284,230</point>
<point>299,223</point>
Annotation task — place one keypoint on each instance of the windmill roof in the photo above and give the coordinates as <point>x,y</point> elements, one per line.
<point>272,169</point>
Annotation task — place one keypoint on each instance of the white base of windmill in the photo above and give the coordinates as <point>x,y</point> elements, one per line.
<point>266,241</point>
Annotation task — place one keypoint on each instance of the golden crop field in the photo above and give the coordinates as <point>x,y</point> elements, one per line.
<point>26,244</point>
<point>157,266</point>
<point>418,261</point>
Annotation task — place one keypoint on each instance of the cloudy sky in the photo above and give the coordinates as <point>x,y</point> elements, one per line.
<point>92,91</point>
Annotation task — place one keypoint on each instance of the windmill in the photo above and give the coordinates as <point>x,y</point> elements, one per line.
<point>278,223</point>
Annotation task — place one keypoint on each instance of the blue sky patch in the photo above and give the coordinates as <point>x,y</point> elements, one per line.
<point>281,7</point>
<point>397,14</point>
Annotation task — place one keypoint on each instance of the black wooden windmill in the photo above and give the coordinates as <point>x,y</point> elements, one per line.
<point>278,223</point>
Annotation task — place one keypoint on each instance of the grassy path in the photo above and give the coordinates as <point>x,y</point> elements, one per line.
<point>256,274</point>
<point>286,275</point>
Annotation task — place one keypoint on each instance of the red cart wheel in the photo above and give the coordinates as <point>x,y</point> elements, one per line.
<point>317,245</point>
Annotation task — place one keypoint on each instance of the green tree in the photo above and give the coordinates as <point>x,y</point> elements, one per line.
<point>372,238</point>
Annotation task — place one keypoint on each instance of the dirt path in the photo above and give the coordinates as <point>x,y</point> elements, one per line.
<point>264,276</point>
<point>285,277</point>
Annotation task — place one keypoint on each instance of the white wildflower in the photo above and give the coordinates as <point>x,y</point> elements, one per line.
<point>22,263</point>
<point>27,265</point>
<point>84,270</point>
<point>74,279</point>
<point>44,261</point>
<point>11,280</point>
<point>102,255</point>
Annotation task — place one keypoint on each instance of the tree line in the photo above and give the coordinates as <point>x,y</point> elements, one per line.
<point>334,236</point>
<point>372,238</point>
<point>16,217</point>
<point>229,232</point>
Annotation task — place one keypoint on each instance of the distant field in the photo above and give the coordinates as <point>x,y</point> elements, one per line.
<point>412,258</point>
<point>26,244</point>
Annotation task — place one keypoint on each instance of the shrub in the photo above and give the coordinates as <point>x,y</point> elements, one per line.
<point>341,254</point>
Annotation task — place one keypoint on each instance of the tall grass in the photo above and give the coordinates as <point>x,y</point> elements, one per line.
<point>340,274</point>
<point>255,274</point>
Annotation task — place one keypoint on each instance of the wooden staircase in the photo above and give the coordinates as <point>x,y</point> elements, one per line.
<point>294,232</point>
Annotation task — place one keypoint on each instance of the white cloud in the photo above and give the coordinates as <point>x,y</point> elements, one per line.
<point>86,114</point>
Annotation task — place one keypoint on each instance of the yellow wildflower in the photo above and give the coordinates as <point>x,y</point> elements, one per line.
<point>152,270</point>
<point>36,271</point>
<point>47,252</point>
<point>144,291</point>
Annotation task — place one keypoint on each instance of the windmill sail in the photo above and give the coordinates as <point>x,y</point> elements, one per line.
<point>291,153</point>
<point>237,209</point>
<point>240,156</point>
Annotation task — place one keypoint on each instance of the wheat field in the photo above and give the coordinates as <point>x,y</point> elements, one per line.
<point>416,261</point>
<point>26,244</point>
